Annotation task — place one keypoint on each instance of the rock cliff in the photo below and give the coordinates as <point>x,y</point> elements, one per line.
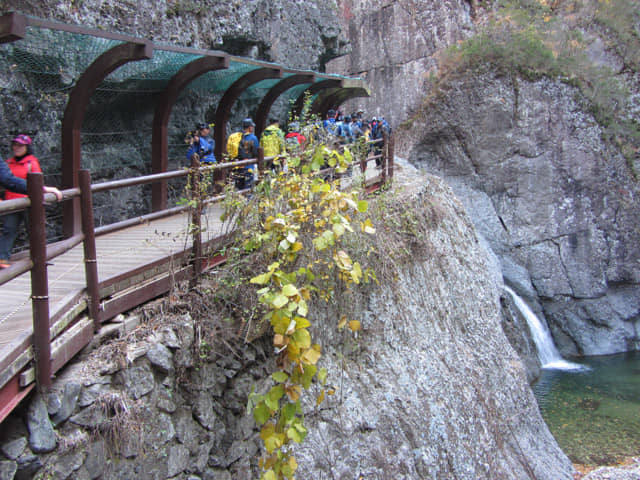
<point>543,183</point>
<point>297,34</point>
<point>554,201</point>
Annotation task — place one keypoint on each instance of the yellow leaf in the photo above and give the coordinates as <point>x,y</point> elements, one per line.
<point>293,392</point>
<point>367,226</point>
<point>320,398</point>
<point>280,340</point>
<point>261,279</point>
<point>311,356</point>
<point>354,325</point>
<point>342,322</point>
<point>302,322</point>
<point>289,290</point>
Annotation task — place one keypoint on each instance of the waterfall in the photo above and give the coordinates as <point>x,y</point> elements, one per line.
<point>547,352</point>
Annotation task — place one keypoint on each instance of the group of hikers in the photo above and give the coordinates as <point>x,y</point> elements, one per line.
<point>244,144</point>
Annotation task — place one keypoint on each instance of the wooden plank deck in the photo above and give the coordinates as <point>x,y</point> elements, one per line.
<point>117,252</point>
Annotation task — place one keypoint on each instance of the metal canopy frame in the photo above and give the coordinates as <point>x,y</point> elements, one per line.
<point>115,65</point>
<point>229,98</point>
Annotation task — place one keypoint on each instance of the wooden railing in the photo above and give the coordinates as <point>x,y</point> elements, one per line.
<point>16,375</point>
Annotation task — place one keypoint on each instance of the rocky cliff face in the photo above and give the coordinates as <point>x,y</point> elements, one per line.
<point>297,34</point>
<point>392,46</point>
<point>429,388</point>
<point>554,201</point>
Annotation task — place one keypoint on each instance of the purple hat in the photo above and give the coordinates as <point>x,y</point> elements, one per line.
<point>22,139</point>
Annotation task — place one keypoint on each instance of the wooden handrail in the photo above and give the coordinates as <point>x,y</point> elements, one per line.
<point>41,253</point>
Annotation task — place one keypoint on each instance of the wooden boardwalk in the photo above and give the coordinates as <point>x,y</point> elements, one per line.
<point>117,253</point>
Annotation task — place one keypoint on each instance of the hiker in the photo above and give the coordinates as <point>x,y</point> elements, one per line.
<point>248,148</point>
<point>345,130</point>
<point>202,144</point>
<point>330,122</point>
<point>12,176</point>
<point>294,140</point>
<point>272,141</point>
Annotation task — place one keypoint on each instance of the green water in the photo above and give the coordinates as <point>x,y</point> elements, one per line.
<point>594,414</point>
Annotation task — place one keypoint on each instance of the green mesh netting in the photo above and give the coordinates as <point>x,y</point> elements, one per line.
<point>38,72</point>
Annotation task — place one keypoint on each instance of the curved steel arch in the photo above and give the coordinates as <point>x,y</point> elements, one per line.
<point>159,133</point>
<point>312,90</point>
<point>337,97</point>
<point>272,95</point>
<point>229,98</point>
<point>74,115</point>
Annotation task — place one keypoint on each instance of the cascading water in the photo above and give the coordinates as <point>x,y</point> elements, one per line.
<point>547,351</point>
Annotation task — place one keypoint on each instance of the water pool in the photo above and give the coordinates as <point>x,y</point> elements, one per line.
<point>594,414</point>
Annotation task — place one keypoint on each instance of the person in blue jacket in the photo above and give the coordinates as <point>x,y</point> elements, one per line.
<point>202,144</point>
<point>247,149</point>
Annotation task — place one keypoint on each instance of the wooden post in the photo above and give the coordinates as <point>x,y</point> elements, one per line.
<point>261,165</point>
<point>90,257</point>
<point>39,281</point>
<point>196,220</point>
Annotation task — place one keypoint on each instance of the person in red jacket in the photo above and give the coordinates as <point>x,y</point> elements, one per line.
<point>22,163</point>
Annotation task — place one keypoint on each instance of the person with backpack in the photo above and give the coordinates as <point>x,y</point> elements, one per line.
<point>272,140</point>
<point>294,140</point>
<point>247,148</point>
<point>330,123</point>
<point>202,145</point>
<point>12,176</point>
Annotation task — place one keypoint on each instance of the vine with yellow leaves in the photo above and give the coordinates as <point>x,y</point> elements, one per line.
<point>300,212</point>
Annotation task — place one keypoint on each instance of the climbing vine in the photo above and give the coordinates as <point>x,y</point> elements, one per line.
<point>301,218</point>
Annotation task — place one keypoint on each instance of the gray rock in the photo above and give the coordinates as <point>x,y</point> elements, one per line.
<point>89,394</point>
<point>188,431</point>
<point>170,338</point>
<point>630,472</point>
<point>28,465</point>
<point>54,402</point>
<point>215,474</point>
<point>92,417</point>
<point>161,358</point>
<point>8,469</point>
<point>165,403</point>
<point>203,411</point>
<point>138,381</point>
<point>42,437</point>
<point>14,448</point>
<point>68,402</point>
<point>65,465</point>
<point>178,460</point>
<point>95,461</point>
